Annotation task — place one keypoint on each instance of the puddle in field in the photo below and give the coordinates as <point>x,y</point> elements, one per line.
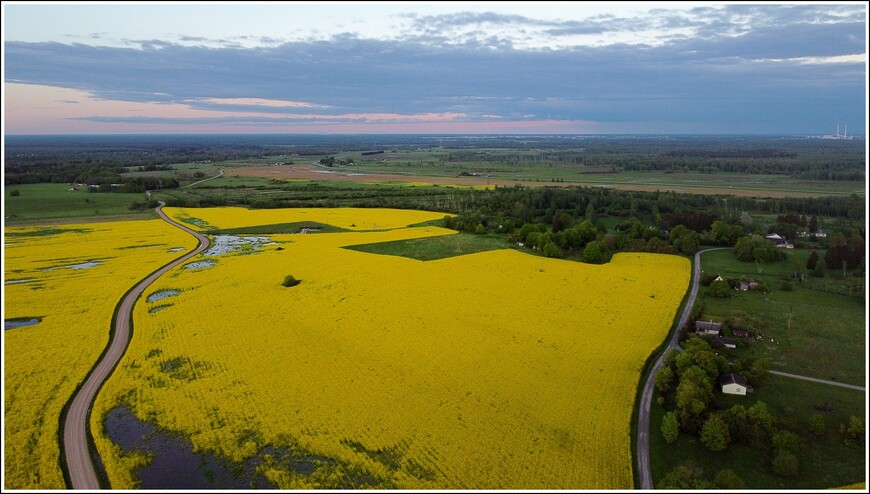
<point>161,295</point>
<point>21,322</point>
<point>174,464</point>
<point>199,264</point>
<point>177,249</point>
<point>225,244</point>
<point>84,265</point>
<point>81,265</point>
<point>17,282</point>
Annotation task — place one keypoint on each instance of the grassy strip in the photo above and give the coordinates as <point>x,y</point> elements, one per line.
<point>431,248</point>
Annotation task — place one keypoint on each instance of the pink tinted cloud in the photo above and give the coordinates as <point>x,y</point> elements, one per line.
<point>34,109</point>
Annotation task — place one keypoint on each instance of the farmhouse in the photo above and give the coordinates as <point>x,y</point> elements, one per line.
<point>710,327</point>
<point>779,241</point>
<point>732,384</point>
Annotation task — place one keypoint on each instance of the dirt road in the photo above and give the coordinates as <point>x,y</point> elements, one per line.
<point>79,464</point>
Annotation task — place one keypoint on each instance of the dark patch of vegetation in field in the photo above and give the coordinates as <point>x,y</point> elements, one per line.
<point>46,232</point>
<point>295,227</point>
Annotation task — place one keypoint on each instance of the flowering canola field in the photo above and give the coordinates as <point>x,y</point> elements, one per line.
<point>495,370</point>
<point>71,277</point>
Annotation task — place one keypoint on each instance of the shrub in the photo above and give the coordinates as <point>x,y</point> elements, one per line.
<point>14,193</point>
<point>817,425</point>
<point>289,281</point>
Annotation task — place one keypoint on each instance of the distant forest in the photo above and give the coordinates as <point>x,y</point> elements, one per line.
<point>101,159</point>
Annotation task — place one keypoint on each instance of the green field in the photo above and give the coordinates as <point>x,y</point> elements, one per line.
<point>815,333</point>
<point>823,462</point>
<point>541,166</point>
<point>37,202</point>
<point>430,248</point>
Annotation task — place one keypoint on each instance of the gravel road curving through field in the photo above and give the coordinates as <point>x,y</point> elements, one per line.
<point>643,467</point>
<point>80,467</point>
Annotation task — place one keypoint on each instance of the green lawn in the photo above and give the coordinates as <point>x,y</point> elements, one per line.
<point>815,333</point>
<point>824,463</point>
<point>430,248</point>
<point>56,202</point>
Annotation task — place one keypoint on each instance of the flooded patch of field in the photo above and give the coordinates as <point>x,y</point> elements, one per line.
<point>200,264</point>
<point>21,322</point>
<point>174,464</point>
<point>161,295</point>
<point>227,244</point>
<point>79,265</point>
<point>18,282</point>
<point>84,265</point>
<point>177,249</point>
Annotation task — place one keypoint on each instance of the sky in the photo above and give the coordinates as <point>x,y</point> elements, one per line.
<point>435,68</point>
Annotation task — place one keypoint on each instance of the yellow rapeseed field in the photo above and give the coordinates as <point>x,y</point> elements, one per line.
<point>496,370</point>
<point>71,277</point>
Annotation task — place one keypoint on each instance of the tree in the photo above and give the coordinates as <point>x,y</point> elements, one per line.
<point>813,224</point>
<point>721,233</point>
<point>812,260</point>
<point>785,464</point>
<point>664,379</point>
<point>714,434</point>
<point>562,221</point>
<point>590,212</point>
<point>760,424</point>
<point>821,270</point>
<point>756,248</point>
<point>592,253</point>
<point>719,289</point>
<point>737,419</point>
<point>684,476</point>
<point>552,250</point>
<point>854,432</point>
<point>670,427</point>
<point>786,441</point>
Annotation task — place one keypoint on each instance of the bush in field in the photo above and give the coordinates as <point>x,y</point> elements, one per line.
<point>289,281</point>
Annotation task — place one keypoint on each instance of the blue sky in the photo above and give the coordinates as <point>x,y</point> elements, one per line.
<point>487,67</point>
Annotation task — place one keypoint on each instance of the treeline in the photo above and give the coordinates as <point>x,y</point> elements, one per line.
<point>569,222</point>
